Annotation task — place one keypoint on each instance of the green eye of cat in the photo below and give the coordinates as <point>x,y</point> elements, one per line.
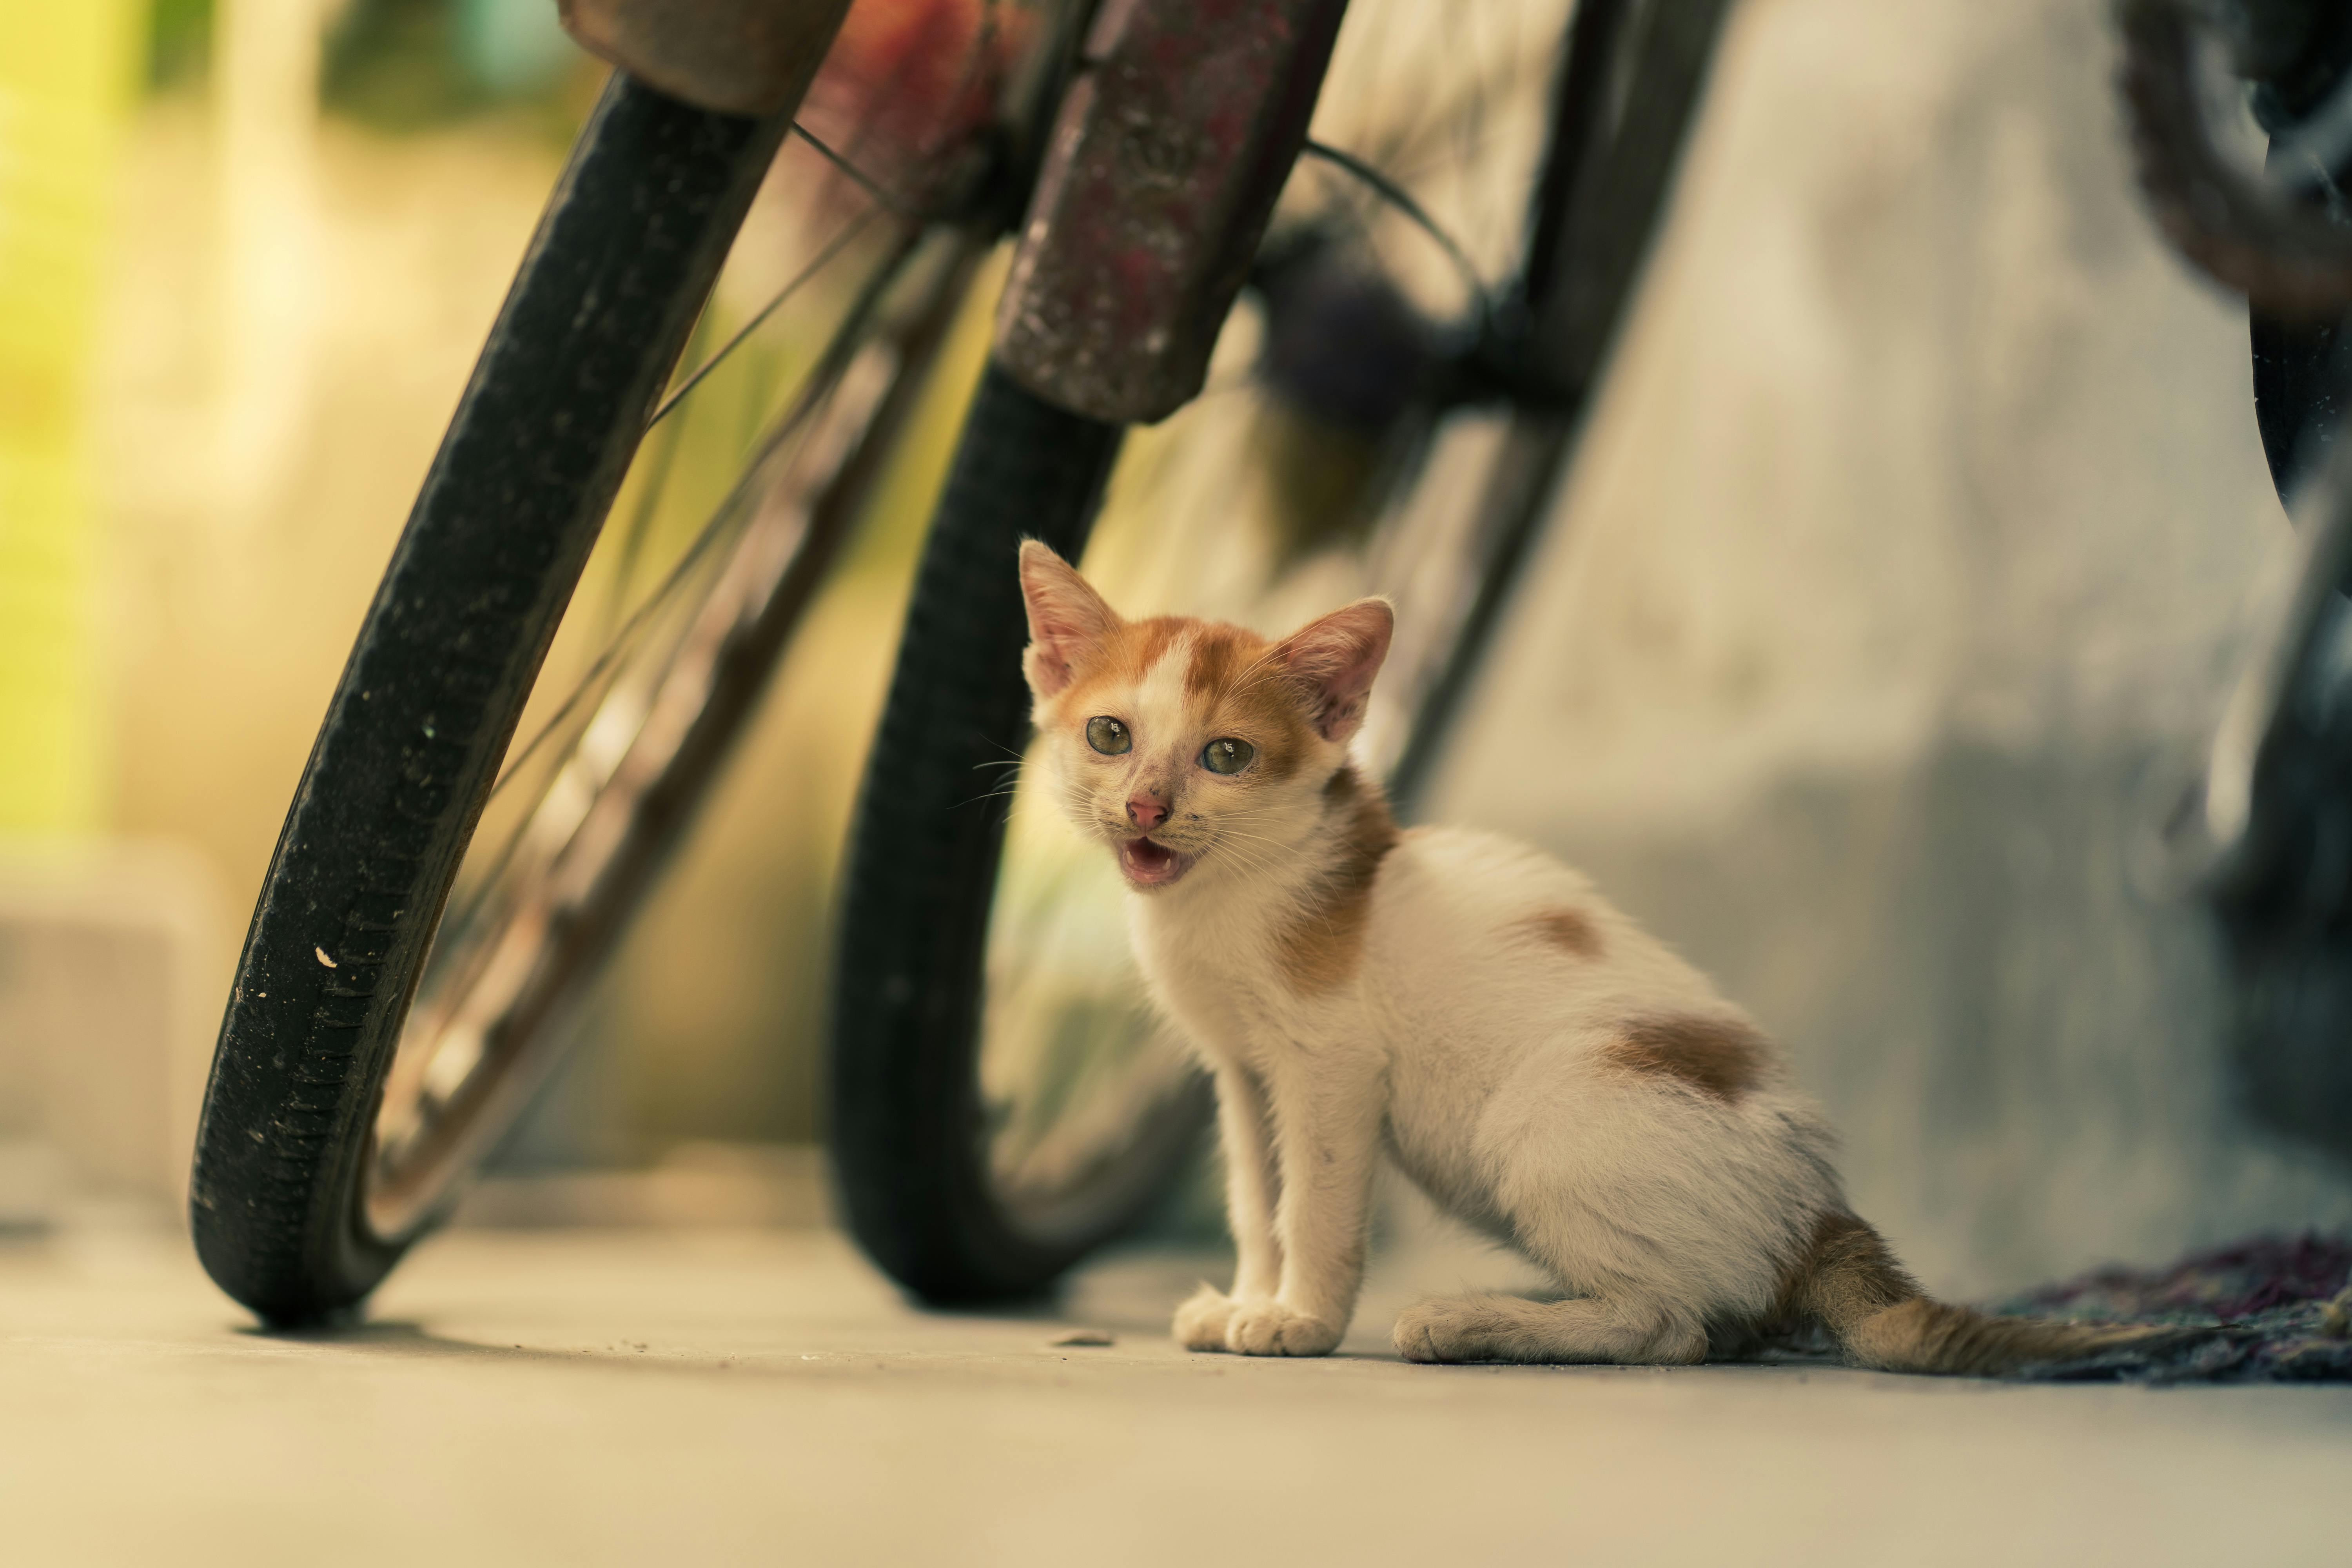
<point>1108,736</point>
<point>1228,756</point>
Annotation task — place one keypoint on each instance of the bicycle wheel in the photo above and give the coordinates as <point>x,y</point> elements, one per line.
<point>1386,413</point>
<point>373,1049</point>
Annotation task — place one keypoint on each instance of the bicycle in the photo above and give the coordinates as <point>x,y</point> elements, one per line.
<point>2261,837</point>
<point>435,907</point>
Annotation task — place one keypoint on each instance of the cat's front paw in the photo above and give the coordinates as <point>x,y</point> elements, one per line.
<point>1200,1322</point>
<point>1269,1328</point>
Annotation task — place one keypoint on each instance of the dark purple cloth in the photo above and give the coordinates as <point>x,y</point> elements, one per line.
<point>2253,1312</point>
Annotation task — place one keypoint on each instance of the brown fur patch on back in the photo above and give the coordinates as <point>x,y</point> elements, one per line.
<point>1721,1057</point>
<point>1322,946</point>
<point>1571,931</point>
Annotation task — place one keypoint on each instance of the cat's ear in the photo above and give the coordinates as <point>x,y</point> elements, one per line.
<point>1334,659</point>
<point>1067,618</point>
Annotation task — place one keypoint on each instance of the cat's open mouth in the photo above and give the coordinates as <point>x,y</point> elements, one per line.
<point>1150,864</point>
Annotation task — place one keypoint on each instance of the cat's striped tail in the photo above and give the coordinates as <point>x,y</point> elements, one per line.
<point>1850,1283</point>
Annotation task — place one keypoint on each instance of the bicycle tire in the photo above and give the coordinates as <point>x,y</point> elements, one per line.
<point>628,250</point>
<point>909,1126</point>
<point>516,957</point>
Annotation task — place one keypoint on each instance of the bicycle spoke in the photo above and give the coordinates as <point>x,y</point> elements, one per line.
<point>595,682</point>
<point>890,202</point>
<point>838,244</point>
<point>641,517</point>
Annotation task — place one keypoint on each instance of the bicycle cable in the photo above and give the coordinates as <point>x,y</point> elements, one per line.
<point>1397,197</point>
<point>834,247</point>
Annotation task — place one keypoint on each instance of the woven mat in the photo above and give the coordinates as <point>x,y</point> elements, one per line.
<point>2268,1309</point>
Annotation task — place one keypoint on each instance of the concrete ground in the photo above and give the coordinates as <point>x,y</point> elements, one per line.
<point>593,1397</point>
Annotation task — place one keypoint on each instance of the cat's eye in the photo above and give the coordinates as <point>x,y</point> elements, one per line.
<point>1108,736</point>
<point>1228,756</point>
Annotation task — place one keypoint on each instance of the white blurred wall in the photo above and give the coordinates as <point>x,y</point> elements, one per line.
<point>1911,543</point>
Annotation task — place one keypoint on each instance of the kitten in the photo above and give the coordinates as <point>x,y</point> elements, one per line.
<point>1541,1066</point>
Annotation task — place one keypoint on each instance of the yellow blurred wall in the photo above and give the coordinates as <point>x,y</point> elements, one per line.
<point>65,75</point>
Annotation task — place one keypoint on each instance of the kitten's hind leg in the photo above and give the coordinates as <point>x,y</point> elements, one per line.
<point>1581,1329</point>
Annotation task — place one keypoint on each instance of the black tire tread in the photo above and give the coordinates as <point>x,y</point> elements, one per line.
<point>436,683</point>
<point>908,1137</point>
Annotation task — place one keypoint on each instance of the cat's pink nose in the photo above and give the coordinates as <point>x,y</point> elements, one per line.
<point>1146,812</point>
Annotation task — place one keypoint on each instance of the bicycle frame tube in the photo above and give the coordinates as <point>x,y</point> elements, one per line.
<point>1166,159</point>
<point>1602,196</point>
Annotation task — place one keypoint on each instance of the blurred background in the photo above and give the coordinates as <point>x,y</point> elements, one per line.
<point>1909,558</point>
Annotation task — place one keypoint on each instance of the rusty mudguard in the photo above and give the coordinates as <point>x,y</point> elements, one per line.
<point>1164,165</point>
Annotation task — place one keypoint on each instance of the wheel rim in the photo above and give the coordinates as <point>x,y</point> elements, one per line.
<point>543,907</point>
<point>595,800</point>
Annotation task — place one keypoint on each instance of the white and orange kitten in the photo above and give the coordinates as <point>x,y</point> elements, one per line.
<point>1545,1070</point>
